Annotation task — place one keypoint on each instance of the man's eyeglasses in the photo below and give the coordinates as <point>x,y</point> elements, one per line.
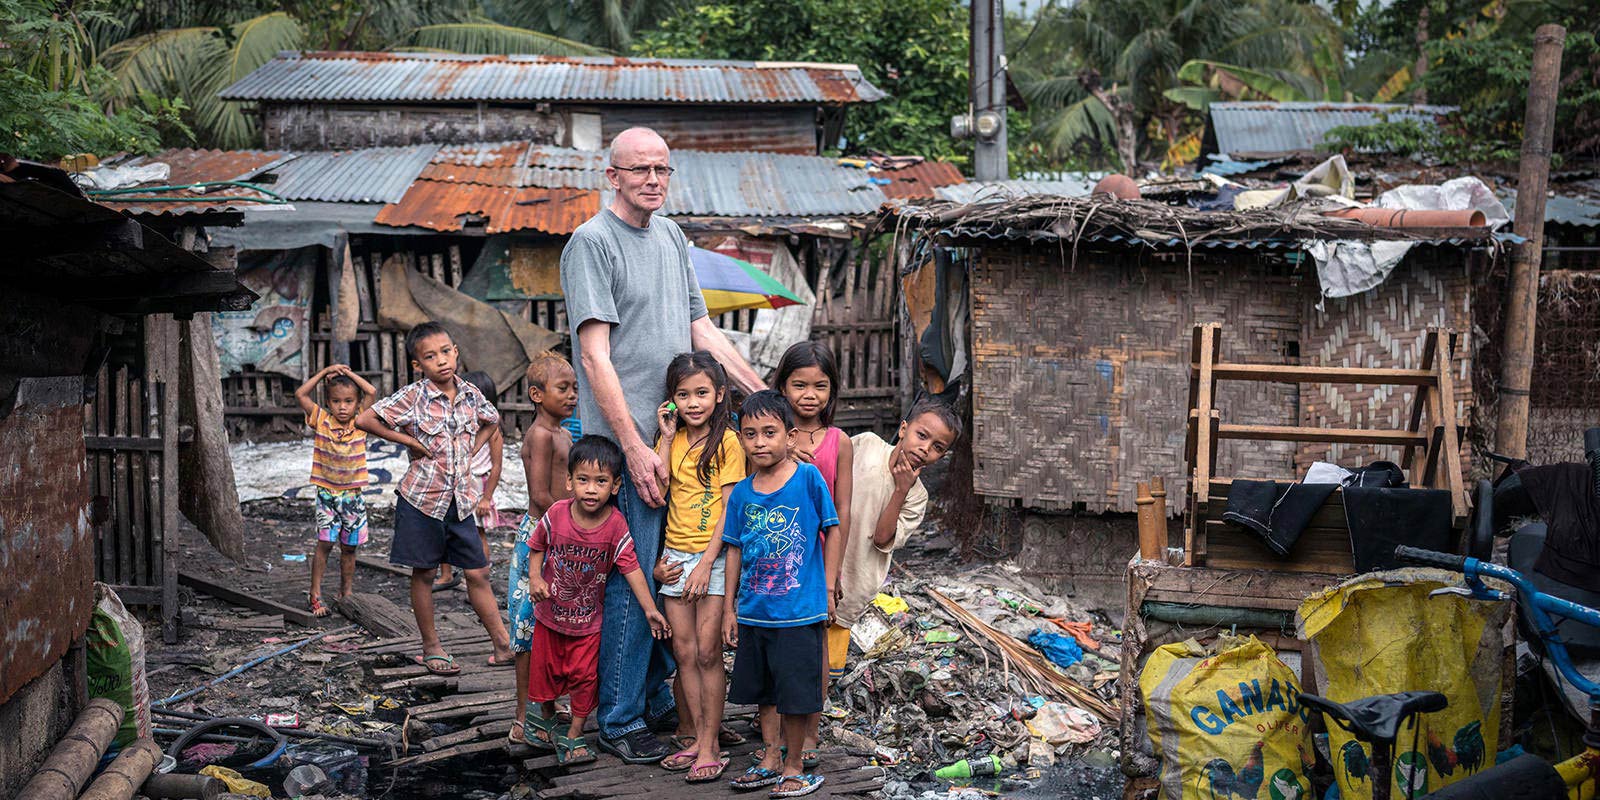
<point>646,170</point>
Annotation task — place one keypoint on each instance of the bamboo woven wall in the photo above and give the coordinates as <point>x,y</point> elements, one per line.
<point>1080,375</point>
<point>1384,328</point>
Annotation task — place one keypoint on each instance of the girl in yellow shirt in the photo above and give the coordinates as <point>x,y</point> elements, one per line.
<point>704,460</point>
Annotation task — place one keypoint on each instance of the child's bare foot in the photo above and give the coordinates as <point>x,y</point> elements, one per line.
<point>316,607</point>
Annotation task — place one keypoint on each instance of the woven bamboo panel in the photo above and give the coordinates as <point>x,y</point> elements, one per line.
<point>1383,328</point>
<point>1080,381</point>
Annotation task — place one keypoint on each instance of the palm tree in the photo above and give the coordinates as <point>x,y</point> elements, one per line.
<point>1123,55</point>
<point>610,24</point>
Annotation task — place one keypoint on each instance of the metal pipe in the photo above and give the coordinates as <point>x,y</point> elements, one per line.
<point>1522,293</point>
<point>293,733</point>
<point>242,667</point>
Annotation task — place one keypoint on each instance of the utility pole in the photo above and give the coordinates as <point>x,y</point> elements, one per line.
<point>1522,295</point>
<point>987,97</point>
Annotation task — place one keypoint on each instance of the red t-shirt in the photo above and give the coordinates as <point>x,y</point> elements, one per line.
<point>577,562</point>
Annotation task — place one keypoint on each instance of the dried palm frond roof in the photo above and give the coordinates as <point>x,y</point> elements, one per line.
<point>1102,218</point>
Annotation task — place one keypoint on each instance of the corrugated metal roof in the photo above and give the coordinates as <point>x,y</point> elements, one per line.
<point>189,166</point>
<point>918,181</point>
<point>440,206</point>
<point>437,78</point>
<point>975,191</point>
<point>372,175</point>
<point>1292,127</point>
<point>767,185</point>
<point>1563,210</point>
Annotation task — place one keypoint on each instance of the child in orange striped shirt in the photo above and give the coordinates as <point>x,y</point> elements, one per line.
<point>338,473</point>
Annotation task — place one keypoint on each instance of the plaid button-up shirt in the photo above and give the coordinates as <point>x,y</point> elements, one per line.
<point>447,429</point>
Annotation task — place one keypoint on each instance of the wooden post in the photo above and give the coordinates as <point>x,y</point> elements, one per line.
<point>161,348</point>
<point>1158,514</point>
<point>1522,295</point>
<point>183,787</point>
<point>1149,547</point>
<point>126,773</point>
<point>74,758</point>
<point>338,347</point>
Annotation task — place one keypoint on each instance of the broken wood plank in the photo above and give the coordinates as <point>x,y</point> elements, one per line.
<point>381,565</point>
<point>377,614</point>
<point>448,753</point>
<point>429,681</point>
<point>464,705</point>
<point>493,730</point>
<point>227,594</point>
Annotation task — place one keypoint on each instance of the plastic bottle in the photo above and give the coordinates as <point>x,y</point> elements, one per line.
<point>306,779</point>
<point>969,768</point>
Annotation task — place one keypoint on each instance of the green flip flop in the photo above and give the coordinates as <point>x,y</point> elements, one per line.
<point>573,751</point>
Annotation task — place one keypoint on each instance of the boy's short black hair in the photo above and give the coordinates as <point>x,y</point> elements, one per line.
<point>943,412</point>
<point>485,384</point>
<point>340,382</point>
<point>767,403</point>
<point>598,450</point>
<point>420,332</point>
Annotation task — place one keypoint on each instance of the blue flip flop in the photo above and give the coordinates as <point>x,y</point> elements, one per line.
<point>812,783</point>
<point>763,777</point>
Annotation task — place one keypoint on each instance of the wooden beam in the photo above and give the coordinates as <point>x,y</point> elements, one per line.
<point>1294,433</point>
<point>298,616</point>
<point>1285,373</point>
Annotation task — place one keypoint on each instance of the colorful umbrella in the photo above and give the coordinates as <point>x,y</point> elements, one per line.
<point>730,284</point>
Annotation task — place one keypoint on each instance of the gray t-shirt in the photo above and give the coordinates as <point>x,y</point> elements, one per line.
<point>639,280</point>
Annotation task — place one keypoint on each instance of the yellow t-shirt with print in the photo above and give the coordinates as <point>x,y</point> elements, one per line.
<point>693,508</point>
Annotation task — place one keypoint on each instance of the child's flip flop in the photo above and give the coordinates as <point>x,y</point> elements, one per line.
<point>809,783</point>
<point>707,772</point>
<point>317,608</point>
<point>755,778</point>
<point>450,667</point>
<point>573,751</point>
<point>532,725</point>
<point>680,761</point>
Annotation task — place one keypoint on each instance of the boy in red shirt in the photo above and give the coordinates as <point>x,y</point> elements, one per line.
<point>574,547</point>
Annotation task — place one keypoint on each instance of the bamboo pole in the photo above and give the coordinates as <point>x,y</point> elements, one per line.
<point>1522,296</point>
<point>73,759</point>
<point>1149,544</point>
<point>182,787</point>
<point>126,773</point>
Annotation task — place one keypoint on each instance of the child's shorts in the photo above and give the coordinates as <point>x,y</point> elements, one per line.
<point>565,665</point>
<point>719,572</point>
<point>519,607</point>
<point>341,517</point>
<point>780,667</point>
<point>422,542</point>
<point>838,650</point>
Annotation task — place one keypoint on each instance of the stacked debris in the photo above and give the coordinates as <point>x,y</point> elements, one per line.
<point>984,670</point>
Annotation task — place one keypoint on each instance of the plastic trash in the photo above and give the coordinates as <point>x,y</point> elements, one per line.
<point>969,768</point>
<point>1059,723</point>
<point>1062,650</point>
<point>306,779</point>
<point>889,604</point>
<point>237,784</point>
<point>941,637</point>
<point>344,766</point>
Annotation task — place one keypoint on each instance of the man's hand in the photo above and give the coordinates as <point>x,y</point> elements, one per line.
<point>667,572</point>
<point>658,624</point>
<point>648,473</point>
<point>538,590</point>
<point>902,474</point>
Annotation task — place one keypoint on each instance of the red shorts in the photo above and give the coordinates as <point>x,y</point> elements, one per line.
<point>561,665</point>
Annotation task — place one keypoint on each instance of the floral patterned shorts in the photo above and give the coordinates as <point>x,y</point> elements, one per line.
<point>341,517</point>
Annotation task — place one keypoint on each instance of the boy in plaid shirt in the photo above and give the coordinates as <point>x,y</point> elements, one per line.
<point>442,420</point>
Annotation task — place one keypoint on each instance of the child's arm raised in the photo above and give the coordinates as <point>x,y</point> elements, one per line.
<point>730,612</point>
<point>667,418</point>
<point>888,524</point>
<point>302,395</point>
<point>641,592</point>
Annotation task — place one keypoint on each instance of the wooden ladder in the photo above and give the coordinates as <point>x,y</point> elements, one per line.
<point>1430,453</point>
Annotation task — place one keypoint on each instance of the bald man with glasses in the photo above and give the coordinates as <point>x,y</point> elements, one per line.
<point>632,304</point>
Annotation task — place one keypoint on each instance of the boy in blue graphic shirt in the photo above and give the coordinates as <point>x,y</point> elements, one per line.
<point>780,531</point>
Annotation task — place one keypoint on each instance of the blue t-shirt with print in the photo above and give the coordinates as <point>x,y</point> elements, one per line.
<point>782,581</point>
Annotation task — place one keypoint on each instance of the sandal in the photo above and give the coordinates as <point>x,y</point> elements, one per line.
<point>317,608</point>
<point>755,778</point>
<point>681,760</point>
<point>810,758</point>
<point>533,725</point>
<point>728,737</point>
<point>759,754</point>
<point>450,667</point>
<point>573,751</point>
<point>685,742</point>
<point>455,580</point>
<point>514,735</point>
<point>494,664</point>
<point>706,772</point>
<point>808,784</point>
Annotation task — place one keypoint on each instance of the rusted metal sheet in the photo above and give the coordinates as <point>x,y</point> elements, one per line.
<point>189,166</point>
<point>45,533</point>
<point>918,181</point>
<point>443,206</point>
<point>449,78</point>
<point>1265,127</point>
<point>489,163</point>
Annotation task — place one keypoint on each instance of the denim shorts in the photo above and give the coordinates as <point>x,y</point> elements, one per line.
<point>719,572</point>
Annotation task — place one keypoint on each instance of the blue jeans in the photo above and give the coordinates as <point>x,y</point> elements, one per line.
<point>633,665</point>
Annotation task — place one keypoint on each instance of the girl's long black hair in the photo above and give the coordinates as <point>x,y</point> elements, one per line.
<point>811,354</point>
<point>700,362</point>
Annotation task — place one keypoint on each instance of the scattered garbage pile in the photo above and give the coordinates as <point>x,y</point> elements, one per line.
<point>983,685</point>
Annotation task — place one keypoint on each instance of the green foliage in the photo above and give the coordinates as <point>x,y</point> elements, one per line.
<point>42,124</point>
<point>608,24</point>
<point>915,50</point>
<point>489,37</point>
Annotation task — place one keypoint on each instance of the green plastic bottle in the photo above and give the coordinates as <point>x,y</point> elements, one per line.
<point>967,768</point>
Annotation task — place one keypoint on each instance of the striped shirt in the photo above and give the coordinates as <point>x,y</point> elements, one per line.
<point>338,455</point>
<point>446,428</point>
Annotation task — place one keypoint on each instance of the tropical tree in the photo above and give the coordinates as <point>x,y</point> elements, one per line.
<point>1123,56</point>
<point>612,25</point>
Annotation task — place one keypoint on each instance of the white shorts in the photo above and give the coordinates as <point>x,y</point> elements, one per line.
<point>719,572</point>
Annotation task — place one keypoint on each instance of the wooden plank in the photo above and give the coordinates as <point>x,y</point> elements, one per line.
<point>1320,550</point>
<point>493,730</point>
<point>296,615</point>
<point>1293,373</point>
<point>469,705</point>
<point>1409,458</point>
<point>377,614</point>
<point>1296,433</point>
<point>139,444</point>
<point>374,562</point>
<point>448,753</point>
<point>1451,446</point>
<point>428,681</point>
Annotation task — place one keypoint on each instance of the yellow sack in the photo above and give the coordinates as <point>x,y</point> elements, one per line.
<point>237,784</point>
<point>1380,633</point>
<point>1226,722</point>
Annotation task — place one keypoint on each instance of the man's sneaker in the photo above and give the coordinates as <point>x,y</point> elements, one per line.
<point>638,747</point>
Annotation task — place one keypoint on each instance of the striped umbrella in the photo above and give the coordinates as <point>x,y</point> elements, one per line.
<point>730,284</point>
